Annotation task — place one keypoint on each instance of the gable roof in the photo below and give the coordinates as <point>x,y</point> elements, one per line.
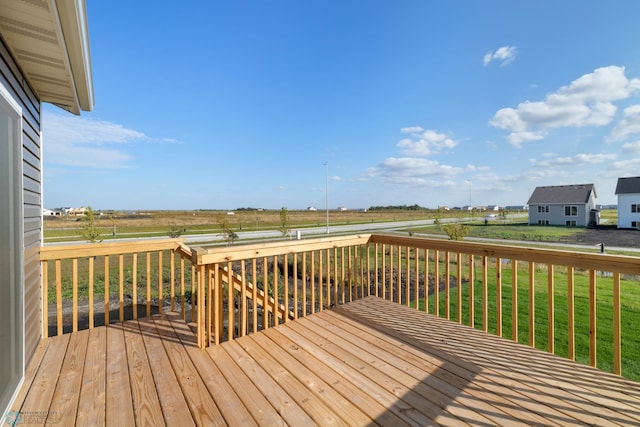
<point>557,194</point>
<point>49,41</point>
<point>628,185</point>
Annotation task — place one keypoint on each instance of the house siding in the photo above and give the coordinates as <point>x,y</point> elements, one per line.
<point>14,82</point>
<point>625,216</point>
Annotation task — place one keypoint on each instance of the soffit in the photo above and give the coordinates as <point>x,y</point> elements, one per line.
<point>49,41</point>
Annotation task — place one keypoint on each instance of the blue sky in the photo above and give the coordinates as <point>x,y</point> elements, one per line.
<point>222,105</point>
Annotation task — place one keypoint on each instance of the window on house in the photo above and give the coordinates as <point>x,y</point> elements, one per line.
<point>635,208</point>
<point>570,211</point>
<point>11,248</point>
<point>543,209</point>
<point>543,222</point>
<point>571,223</point>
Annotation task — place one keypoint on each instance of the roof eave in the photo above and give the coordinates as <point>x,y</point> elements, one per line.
<point>72,16</point>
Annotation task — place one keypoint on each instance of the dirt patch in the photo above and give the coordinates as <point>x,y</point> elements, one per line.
<point>609,235</point>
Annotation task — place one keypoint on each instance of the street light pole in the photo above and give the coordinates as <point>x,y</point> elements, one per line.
<point>326,193</point>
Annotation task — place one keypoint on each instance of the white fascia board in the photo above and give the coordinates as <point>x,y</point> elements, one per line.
<point>72,16</point>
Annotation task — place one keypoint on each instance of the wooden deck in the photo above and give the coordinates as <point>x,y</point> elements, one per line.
<point>370,362</point>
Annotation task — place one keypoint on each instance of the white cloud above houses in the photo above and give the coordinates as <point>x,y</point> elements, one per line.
<point>587,101</point>
<point>424,142</point>
<point>629,125</point>
<point>504,55</point>
<point>574,161</point>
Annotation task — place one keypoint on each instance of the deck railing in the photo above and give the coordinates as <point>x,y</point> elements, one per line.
<point>500,289</point>
<point>89,284</point>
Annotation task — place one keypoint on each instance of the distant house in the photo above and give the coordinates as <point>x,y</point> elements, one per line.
<point>312,209</point>
<point>572,205</point>
<point>628,192</point>
<point>494,208</point>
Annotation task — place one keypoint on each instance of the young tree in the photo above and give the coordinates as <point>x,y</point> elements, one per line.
<point>456,231</point>
<point>89,230</point>
<point>227,232</point>
<point>285,225</point>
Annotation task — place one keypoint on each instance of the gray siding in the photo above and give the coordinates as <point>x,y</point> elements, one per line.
<point>556,215</point>
<point>11,78</point>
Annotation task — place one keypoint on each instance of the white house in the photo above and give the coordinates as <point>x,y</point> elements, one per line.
<point>628,192</point>
<point>44,57</point>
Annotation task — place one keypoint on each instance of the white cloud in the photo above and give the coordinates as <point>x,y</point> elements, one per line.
<point>629,125</point>
<point>587,101</point>
<point>414,171</point>
<point>424,142</point>
<point>631,147</point>
<point>505,54</point>
<point>574,161</point>
<point>411,129</point>
<point>85,142</point>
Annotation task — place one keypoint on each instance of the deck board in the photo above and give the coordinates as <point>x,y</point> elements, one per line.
<point>369,362</point>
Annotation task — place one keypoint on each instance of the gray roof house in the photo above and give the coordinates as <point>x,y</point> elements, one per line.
<point>44,57</point>
<point>570,205</point>
<point>628,192</point>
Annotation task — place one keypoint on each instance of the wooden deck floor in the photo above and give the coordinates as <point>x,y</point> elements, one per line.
<point>370,362</point>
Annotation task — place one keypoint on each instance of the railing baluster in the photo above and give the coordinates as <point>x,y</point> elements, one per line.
<point>550,310</point>
<point>58,296</point>
<point>336,280</point>
<point>617,341</point>
<point>265,288</point>
<point>313,282</point>
<point>593,358</point>
<point>329,281</point>
<point>45,298</point>
<point>320,283</point>
<point>426,280</point>
<point>447,286</point>
<point>407,276</point>
<point>399,276</point>
<point>194,279</point>
<point>384,269</point>
<point>91,309</point>
<point>459,286</point>
<point>148,297</point>
<point>172,278</point>
<point>121,287</point>
<point>472,292</point>
<point>160,290</point>
<point>304,284</point>
<point>242,304</point>
<point>74,280</point>
<point>230,302</point>
<point>416,288</point>
<point>571,345</point>
<point>295,285</point>
<point>436,282</point>
<point>182,308</point>
<point>285,289</point>
<point>212,274</point>
<point>532,304</point>
<point>134,286</point>
<point>514,300</point>
<point>254,294</point>
<point>499,297</point>
<point>485,295</point>
<point>106,289</point>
